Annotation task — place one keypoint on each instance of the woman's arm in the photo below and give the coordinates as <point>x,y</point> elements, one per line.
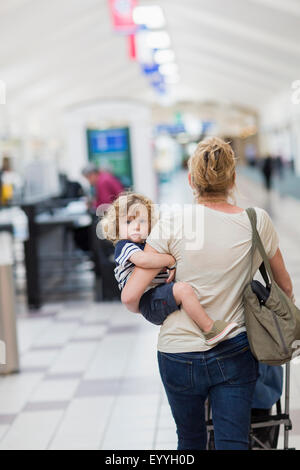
<point>153,259</point>
<point>137,283</point>
<point>281,276</point>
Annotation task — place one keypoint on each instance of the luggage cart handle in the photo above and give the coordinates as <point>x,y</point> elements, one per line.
<point>287,427</point>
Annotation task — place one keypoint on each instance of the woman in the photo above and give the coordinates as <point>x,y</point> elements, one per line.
<point>215,259</point>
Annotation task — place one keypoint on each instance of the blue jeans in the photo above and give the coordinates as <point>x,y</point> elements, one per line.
<point>157,303</point>
<point>227,375</point>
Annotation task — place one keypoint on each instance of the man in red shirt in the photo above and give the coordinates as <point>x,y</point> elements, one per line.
<point>106,186</point>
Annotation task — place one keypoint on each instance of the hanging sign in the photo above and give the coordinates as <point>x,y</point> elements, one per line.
<point>131,47</point>
<point>122,15</point>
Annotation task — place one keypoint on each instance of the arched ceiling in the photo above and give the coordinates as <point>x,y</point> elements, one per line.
<point>55,54</point>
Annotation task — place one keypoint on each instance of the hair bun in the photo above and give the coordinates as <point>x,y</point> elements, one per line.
<point>212,167</point>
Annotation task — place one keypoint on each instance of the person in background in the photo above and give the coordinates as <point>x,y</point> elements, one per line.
<point>250,154</point>
<point>106,188</point>
<point>105,185</point>
<point>1,191</point>
<point>279,166</point>
<point>10,181</point>
<point>267,169</point>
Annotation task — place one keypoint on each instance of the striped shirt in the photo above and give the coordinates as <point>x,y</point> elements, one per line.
<point>124,267</point>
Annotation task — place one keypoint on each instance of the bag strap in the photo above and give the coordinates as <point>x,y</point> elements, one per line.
<point>265,267</point>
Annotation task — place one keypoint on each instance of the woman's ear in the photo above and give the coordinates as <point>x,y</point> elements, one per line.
<point>190,180</point>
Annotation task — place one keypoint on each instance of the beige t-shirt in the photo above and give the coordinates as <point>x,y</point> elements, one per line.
<point>213,254</point>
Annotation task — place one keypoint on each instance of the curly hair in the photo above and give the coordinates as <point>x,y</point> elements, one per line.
<point>126,200</point>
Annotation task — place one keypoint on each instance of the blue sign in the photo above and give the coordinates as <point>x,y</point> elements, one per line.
<point>172,129</point>
<point>108,141</point>
<point>149,69</point>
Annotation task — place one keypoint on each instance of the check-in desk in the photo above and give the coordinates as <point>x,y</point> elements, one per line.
<point>51,258</point>
<point>48,252</point>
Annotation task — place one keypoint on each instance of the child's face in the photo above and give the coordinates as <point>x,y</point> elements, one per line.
<point>135,225</point>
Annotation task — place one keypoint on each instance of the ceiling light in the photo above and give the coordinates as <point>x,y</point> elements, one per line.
<point>158,40</point>
<point>164,56</point>
<point>168,69</point>
<point>151,16</point>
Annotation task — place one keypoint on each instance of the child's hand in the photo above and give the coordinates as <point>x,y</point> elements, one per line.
<point>171,277</point>
<point>172,261</point>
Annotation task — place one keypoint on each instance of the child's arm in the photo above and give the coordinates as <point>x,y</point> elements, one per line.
<point>137,283</point>
<point>148,260</point>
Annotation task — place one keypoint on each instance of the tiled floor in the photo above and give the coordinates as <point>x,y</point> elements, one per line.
<point>89,377</point>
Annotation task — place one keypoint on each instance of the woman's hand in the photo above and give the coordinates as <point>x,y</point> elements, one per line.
<point>172,261</point>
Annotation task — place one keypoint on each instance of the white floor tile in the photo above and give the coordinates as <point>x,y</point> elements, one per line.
<point>29,330</point>
<point>166,421</point>
<point>16,390</point>
<point>55,390</point>
<point>166,446</point>
<point>129,440</point>
<point>130,407</point>
<point>93,331</point>
<point>57,334</point>
<point>3,430</point>
<point>38,358</point>
<point>120,445</point>
<point>75,357</point>
<point>31,431</point>
<point>83,424</point>
<point>293,441</point>
<point>111,357</point>
<point>166,434</point>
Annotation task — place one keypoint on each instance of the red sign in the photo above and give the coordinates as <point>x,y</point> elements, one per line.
<point>122,15</point>
<point>132,47</point>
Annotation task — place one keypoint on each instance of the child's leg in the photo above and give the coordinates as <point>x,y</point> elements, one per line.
<point>184,294</point>
<point>158,303</point>
<point>213,331</point>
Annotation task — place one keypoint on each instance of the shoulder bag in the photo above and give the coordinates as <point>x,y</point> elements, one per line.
<point>272,319</point>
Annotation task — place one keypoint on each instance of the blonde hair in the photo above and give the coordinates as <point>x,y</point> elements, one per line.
<point>120,207</point>
<point>212,169</point>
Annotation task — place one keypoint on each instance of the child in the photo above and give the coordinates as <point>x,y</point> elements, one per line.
<point>127,224</point>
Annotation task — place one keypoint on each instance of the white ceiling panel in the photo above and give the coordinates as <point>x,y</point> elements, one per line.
<point>59,53</point>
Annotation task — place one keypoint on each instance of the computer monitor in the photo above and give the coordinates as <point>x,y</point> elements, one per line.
<point>110,148</point>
